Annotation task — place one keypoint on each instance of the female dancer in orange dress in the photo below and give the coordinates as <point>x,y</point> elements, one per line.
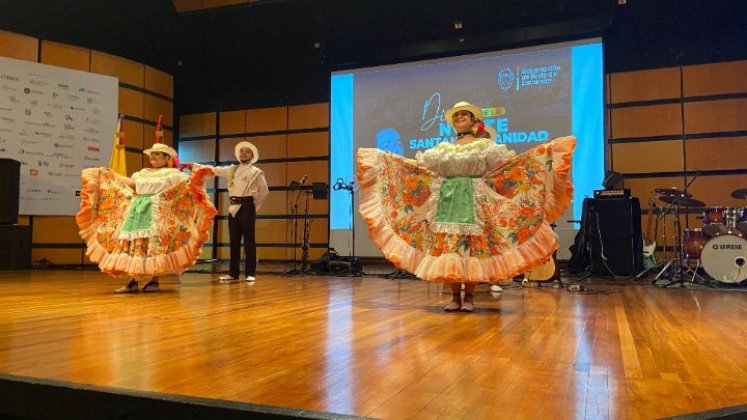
<point>469,211</point>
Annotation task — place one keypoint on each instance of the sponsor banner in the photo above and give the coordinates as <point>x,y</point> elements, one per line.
<point>54,121</point>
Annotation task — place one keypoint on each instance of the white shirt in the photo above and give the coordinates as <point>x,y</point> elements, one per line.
<point>475,158</point>
<point>243,180</point>
<point>151,181</point>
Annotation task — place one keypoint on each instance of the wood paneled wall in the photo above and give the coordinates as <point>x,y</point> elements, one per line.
<point>292,141</point>
<point>666,124</point>
<point>144,93</point>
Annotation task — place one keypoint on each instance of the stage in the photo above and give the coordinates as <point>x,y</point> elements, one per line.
<point>322,347</point>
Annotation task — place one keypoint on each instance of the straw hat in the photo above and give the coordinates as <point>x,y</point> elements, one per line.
<point>463,106</point>
<point>243,144</point>
<point>163,148</point>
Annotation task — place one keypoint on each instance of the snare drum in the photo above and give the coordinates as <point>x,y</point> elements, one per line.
<point>695,239</point>
<point>725,258</point>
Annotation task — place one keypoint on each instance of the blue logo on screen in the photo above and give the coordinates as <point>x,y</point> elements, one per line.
<point>506,78</point>
<point>388,140</point>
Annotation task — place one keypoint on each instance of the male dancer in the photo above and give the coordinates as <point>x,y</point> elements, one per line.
<point>247,189</point>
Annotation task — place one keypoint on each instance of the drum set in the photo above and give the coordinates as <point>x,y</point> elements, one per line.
<point>718,247</point>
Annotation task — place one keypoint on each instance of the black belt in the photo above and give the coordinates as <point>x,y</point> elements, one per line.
<point>242,200</point>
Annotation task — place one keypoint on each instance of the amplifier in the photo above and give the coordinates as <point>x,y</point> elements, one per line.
<point>619,193</point>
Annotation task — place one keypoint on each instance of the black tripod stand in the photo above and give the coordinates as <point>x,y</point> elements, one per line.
<point>297,186</point>
<point>354,267</point>
<point>675,270</point>
<point>305,243</point>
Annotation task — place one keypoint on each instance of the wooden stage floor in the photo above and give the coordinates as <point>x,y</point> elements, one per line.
<point>384,348</point>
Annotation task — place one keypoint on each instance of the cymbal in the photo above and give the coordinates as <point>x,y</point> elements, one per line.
<point>672,191</point>
<point>682,201</point>
<point>740,193</point>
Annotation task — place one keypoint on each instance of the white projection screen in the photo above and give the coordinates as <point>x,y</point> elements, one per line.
<point>529,95</point>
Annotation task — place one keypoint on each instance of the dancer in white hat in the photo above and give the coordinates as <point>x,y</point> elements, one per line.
<point>247,189</point>
<point>469,211</point>
<point>147,226</point>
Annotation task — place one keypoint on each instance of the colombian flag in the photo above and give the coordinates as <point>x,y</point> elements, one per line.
<point>117,162</point>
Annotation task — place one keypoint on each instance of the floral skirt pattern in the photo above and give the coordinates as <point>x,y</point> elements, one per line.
<point>514,206</point>
<point>183,215</point>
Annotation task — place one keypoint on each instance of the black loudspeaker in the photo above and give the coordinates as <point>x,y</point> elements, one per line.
<point>612,227</point>
<point>15,247</point>
<point>345,266</point>
<point>10,180</point>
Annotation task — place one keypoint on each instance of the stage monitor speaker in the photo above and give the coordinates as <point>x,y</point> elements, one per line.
<point>613,231</point>
<point>10,180</point>
<point>15,247</point>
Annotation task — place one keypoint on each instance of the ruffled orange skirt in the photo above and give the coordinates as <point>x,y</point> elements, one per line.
<point>185,215</point>
<point>515,204</point>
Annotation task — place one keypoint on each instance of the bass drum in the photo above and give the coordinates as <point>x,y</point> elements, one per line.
<point>724,258</point>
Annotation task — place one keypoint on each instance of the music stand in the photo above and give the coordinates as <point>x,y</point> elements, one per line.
<point>319,191</point>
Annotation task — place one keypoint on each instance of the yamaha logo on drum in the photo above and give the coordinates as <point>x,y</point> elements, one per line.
<point>727,246</point>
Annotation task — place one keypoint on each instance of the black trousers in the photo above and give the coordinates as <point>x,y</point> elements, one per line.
<point>242,226</point>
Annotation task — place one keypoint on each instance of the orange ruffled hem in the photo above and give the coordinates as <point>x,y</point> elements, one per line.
<point>454,267</point>
<point>121,264</point>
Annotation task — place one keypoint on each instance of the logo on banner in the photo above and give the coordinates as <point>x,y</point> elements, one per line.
<point>388,140</point>
<point>506,78</point>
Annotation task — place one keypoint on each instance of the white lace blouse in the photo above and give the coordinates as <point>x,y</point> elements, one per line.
<point>150,181</point>
<point>475,158</point>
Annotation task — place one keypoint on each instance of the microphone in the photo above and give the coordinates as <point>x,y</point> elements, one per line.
<point>303,180</point>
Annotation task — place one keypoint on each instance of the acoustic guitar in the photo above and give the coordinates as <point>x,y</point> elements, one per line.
<point>543,272</point>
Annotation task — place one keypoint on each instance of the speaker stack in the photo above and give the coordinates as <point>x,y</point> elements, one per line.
<point>15,242</point>
<point>612,227</point>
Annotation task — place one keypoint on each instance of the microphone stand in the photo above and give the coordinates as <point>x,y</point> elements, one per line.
<point>350,187</point>
<point>294,215</point>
